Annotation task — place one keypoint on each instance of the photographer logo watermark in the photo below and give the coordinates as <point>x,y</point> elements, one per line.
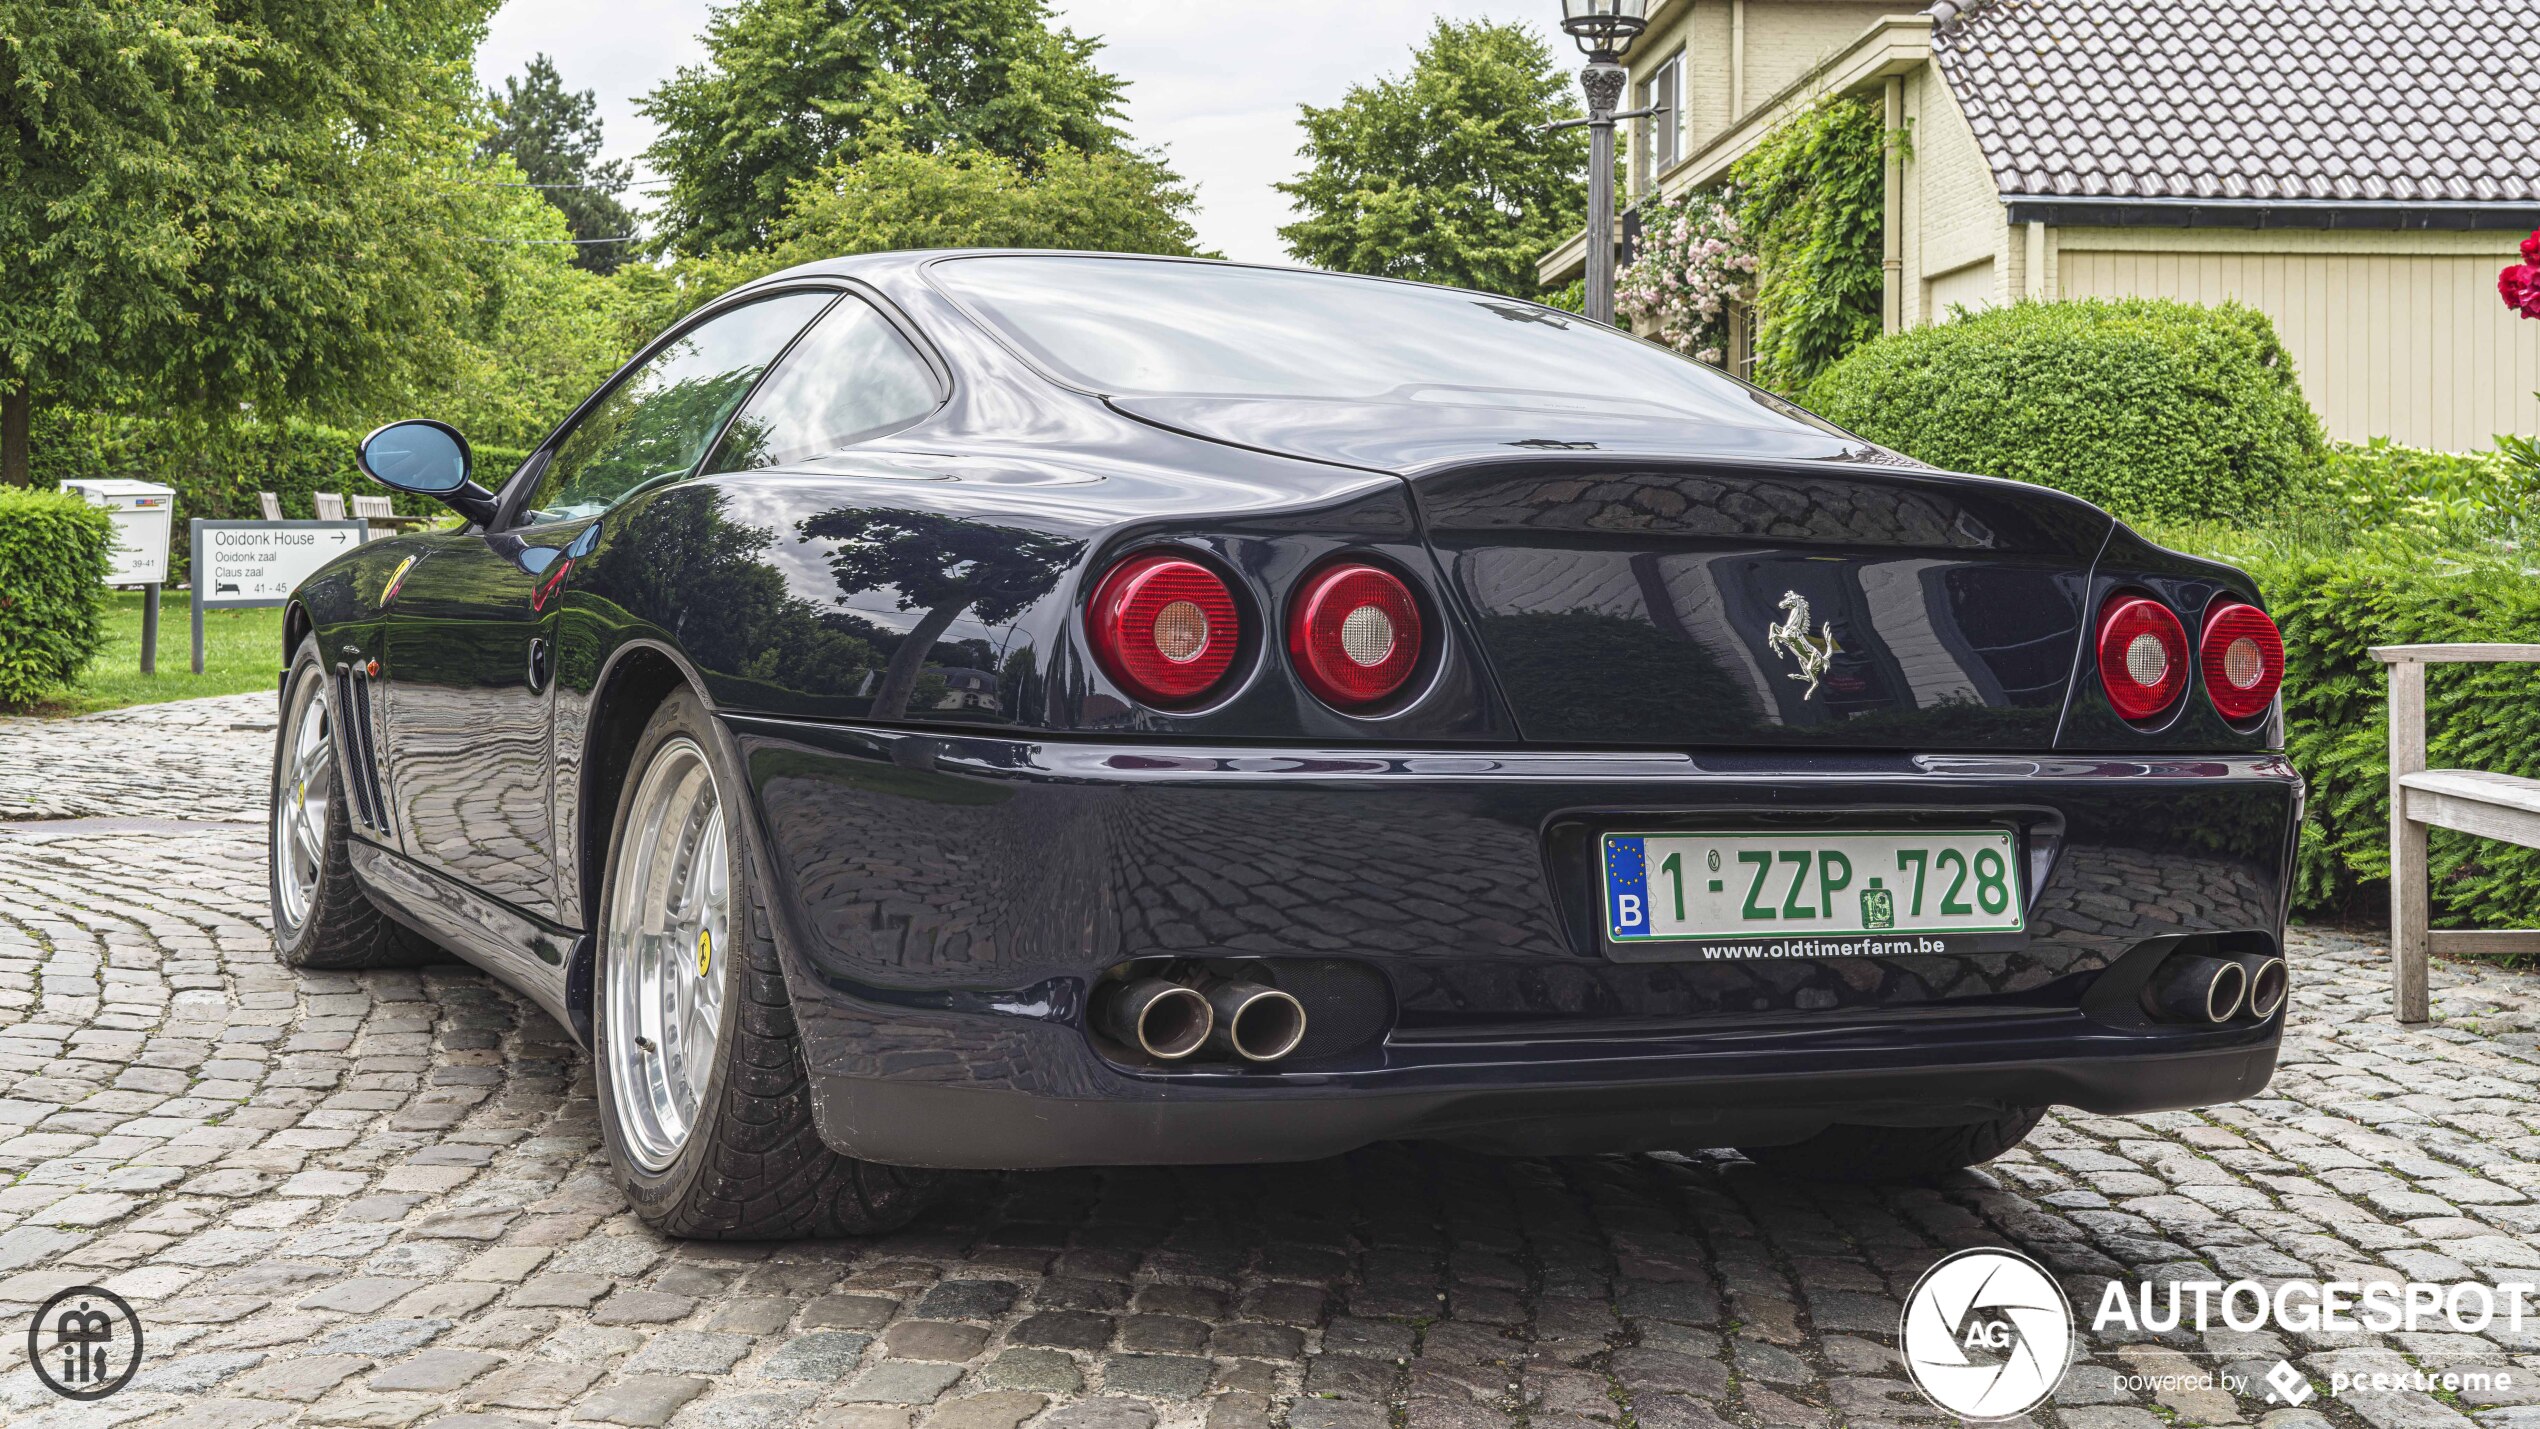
<point>85,1343</point>
<point>1987,1334</point>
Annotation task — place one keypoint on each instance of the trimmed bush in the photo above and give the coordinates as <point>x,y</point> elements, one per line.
<point>53,549</point>
<point>2153,409</point>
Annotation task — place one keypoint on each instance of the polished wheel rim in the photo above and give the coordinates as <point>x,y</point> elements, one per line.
<point>668,951</point>
<point>302,799</point>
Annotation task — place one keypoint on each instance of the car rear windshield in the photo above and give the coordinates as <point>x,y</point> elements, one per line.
<point>1139,327</point>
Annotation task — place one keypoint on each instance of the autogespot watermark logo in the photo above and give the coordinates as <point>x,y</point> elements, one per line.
<point>1987,1334</point>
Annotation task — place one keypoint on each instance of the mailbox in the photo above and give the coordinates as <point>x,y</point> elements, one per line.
<point>142,513</point>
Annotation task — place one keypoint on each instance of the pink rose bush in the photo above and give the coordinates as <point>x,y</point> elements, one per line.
<point>1694,262</point>
<point>2519,285</point>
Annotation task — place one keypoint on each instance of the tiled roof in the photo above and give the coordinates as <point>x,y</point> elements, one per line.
<point>2350,100</point>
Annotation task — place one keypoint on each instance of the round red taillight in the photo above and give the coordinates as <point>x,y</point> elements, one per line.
<point>2142,656</point>
<point>1355,634</point>
<point>2243,656</point>
<point>1165,628</point>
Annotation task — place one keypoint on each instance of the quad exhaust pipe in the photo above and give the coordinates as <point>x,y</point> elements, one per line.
<point>1165,1020</point>
<point>2190,987</point>
<point>1256,1023</point>
<point>2267,984</point>
<point>1169,1019</point>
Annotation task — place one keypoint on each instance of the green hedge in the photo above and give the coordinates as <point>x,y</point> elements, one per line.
<point>53,550</point>
<point>2153,409</point>
<point>2335,601</point>
<point>2450,498</point>
<point>217,471</point>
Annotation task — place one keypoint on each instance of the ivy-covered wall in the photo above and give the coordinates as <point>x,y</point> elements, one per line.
<point>1812,200</point>
<point>1796,236</point>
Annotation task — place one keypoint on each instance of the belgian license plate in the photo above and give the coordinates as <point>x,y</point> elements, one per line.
<point>1813,894</point>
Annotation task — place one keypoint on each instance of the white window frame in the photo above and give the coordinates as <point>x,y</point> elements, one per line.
<point>1660,140</point>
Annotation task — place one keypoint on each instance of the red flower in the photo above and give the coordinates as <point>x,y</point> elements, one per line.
<point>2519,285</point>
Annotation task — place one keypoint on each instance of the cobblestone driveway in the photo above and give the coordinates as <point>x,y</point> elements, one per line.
<point>377,1200</point>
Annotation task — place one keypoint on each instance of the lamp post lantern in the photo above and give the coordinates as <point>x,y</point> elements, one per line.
<point>1603,29</point>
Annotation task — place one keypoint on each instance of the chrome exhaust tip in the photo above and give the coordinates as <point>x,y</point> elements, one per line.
<point>2190,988</point>
<point>2268,982</point>
<point>1165,1020</point>
<point>1256,1023</point>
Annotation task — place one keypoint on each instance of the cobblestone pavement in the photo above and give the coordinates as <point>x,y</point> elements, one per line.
<point>187,759</point>
<point>377,1200</point>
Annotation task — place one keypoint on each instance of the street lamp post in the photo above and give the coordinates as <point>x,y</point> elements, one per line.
<point>1603,29</point>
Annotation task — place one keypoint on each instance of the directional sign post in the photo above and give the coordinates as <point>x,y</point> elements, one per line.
<point>239,565</point>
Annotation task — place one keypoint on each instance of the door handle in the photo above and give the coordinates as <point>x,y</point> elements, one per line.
<point>540,665</point>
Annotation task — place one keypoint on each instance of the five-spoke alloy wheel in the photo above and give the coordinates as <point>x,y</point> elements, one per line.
<point>705,1103</point>
<point>304,791</point>
<point>669,950</point>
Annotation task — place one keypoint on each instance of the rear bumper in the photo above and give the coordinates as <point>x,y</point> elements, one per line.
<point>1679,1105</point>
<point>944,905</point>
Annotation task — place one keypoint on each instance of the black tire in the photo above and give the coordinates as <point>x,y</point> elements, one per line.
<point>339,928</point>
<point>1872,1154</point>
<point>753,1167</point>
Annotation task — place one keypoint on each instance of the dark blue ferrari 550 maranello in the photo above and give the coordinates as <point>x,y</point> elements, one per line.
<point>1023,709</point>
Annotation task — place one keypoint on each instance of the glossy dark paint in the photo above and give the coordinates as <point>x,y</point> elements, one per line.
<point>1466,879</point>
<point>949,874</point>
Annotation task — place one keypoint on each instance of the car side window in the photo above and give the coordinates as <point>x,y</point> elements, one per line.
<point>853,377</point>
<point>656,423</point>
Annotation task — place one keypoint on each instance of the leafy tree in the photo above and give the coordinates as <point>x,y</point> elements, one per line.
<point>1105,201</point>
<point>791,86</point>
<point>536,332</point>
<point>554,135</point>
<point>213,204</point>
<point>1446,175</point>
<point>899,199</point>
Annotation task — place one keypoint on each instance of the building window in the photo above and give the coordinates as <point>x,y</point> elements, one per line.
<point>1661,135</point>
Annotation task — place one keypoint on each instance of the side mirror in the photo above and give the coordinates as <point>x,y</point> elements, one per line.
<point>426,458</point>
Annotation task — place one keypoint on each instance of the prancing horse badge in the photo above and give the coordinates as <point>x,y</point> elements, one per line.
<point>1791,638</point>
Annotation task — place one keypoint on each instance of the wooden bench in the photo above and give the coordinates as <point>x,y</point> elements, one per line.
<point>2492,806</point>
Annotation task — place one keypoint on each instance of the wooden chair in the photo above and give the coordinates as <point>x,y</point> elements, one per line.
<point>2503,807</point>
<point>270,504</point>
<point>329,504</point>
<point>381,513</point>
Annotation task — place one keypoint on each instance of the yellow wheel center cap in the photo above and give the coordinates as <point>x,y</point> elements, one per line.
<point>705,951</point>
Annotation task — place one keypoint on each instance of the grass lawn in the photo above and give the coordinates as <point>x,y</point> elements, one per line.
<point>242,651</point>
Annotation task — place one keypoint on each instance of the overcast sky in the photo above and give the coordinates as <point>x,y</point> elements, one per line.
<point>1215,84</point>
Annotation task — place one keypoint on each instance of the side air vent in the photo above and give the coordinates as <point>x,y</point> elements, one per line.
<point>352,703</point>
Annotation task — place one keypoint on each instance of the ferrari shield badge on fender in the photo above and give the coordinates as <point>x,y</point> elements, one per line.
<point>396,580</point>
<point>1790,637</point>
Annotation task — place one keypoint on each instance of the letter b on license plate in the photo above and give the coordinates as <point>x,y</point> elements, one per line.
<point>1779,892</point>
